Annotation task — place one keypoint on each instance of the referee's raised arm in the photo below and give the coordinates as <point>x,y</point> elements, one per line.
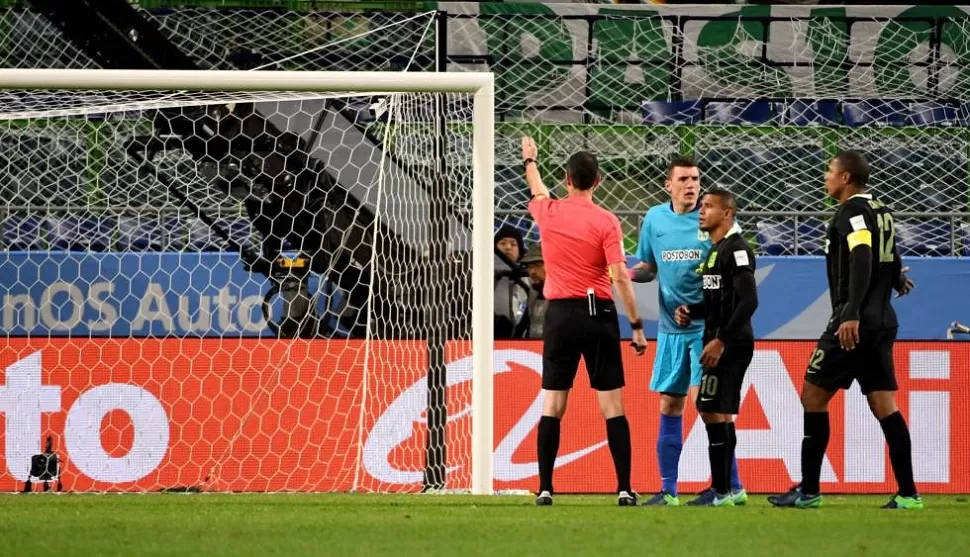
<point>582,249</point>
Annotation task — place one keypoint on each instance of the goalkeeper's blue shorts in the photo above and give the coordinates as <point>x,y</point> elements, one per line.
<point>677,365</point>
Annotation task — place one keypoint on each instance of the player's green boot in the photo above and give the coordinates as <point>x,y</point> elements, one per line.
<point>710,498</point>
<point>740,497</point>
<point>663,499</point>
<point>812,502</point>
<point>900,502</point>
<point>795,498</point>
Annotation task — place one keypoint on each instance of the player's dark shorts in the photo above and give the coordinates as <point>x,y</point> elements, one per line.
<point>571,332</point>
<point>871,363</point>
<point>720,391</point>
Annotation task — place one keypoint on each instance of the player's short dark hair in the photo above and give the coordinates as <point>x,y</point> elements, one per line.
<point>856,164</point>
<point>680,161</point>
<point>728,199</point>
<point>583,170</point>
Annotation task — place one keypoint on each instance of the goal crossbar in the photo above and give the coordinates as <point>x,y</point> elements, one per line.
<point>480,84</point>
<point>229,80</point>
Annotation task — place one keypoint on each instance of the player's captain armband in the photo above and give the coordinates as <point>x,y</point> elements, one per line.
<point>859,238</point>
<point>858,223</point>
<point>741,258</point>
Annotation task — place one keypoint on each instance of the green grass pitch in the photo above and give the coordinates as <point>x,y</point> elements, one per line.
<point>296,524</point>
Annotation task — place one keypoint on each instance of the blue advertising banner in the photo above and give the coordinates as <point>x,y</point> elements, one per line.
<point>211,295</point>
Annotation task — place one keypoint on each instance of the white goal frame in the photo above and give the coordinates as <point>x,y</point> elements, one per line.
<point>480,84</point>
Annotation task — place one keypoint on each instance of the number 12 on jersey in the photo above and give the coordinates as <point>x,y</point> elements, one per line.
<point>887,237</point>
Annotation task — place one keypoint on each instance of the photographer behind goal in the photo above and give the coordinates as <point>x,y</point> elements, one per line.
<point>511,285</point>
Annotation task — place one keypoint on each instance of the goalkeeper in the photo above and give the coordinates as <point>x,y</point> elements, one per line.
<point>672,247</point>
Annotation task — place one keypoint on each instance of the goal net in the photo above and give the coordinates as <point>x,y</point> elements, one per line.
<point>247,281</point>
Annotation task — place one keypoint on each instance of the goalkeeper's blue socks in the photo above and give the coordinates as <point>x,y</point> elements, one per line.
<point>670,443</point>
<point>735,476</point>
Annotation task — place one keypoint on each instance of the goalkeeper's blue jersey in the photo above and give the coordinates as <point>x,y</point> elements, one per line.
<point>676,245</point>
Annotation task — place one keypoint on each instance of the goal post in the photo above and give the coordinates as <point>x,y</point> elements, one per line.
<point>482,306</point>
<point>403,111</point>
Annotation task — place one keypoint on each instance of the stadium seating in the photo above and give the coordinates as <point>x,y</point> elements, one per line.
<point>196,235</point>
<point>874,112</point>
<point>738,113</point>
<point>808,113</point>
<point>778,237</point>
<point>749,173</point>
<point>79,234</point>
<point>775,238</point>
<point>199,237</point>
<point>932,114</point>
<point>141,233</point>
<point>965,238</point>
<point>913,238</point>
<point>511,191</point>
<point>893,175</point>
<point>963,114</point>
<point>799,170</point>
<point>671,113</point>
<point>935,175</point>
<point>924,238</point>
<point>803,113</point>
<point>241,231</point>
<point>22,233</point>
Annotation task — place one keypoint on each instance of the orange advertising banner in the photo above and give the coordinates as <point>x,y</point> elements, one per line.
<point>275,415</point>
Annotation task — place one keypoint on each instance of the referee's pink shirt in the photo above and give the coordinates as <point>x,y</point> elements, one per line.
<point>579,241</point>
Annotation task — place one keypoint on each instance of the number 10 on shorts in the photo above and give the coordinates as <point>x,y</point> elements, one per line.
<point>709,386</point>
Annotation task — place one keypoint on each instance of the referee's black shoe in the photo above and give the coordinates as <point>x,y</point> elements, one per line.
<point>628,499</point>
<point>544,499</point>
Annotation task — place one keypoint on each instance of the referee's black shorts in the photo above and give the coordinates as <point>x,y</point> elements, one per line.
<point>571,332</point>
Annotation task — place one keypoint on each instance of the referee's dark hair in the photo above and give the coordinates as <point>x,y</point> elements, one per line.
<point>856,165</point>
<point>583,170</point>
<point>728,199</point>
<point>680,161</point>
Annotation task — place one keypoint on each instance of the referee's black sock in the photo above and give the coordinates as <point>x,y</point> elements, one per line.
<point>900,452</point>
<point>718,445</point>
<point>618,437</point>
<point>548,449</point>
<point>814,443</point>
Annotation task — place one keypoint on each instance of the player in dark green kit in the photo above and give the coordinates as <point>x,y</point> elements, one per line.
<point>730,299</point>
<point>864,268</point>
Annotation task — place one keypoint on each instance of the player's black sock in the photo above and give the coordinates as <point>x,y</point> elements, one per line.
<point>900,452</point>
<point>718,445</point>
<point>814,443</point>
<point>548,449</point>
<point>618,437</point>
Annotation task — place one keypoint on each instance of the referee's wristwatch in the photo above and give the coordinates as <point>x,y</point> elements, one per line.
<point>636,325</point>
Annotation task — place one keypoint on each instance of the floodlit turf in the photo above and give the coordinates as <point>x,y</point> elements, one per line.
<point>290,524</point>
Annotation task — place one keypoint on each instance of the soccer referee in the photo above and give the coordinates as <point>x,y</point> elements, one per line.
<point>730,300</point>
<point>583,250</point>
